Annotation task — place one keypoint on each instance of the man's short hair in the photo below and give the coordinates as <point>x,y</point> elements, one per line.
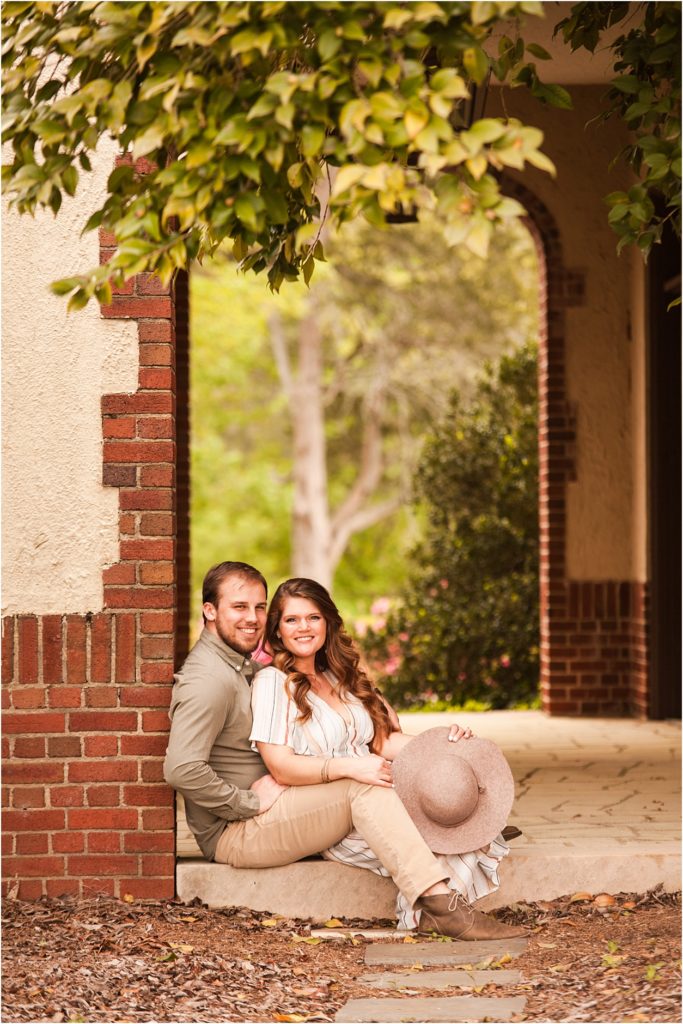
<point>217,573</point>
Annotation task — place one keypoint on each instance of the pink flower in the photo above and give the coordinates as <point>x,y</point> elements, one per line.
<point>505,661</point>
<point>379,624</point>
<point>391,666</point>
<point>404,637</point>
<point>462,676</point>
<point>380,606</point>
<point>443,584</point>
<point>360,627</point>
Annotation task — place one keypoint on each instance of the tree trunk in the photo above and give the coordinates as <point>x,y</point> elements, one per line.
<point>311,516</point>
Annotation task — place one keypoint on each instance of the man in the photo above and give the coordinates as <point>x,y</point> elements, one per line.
<point>239,814</point>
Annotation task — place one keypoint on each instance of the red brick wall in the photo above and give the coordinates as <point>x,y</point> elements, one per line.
<point>86,696</point>
<point>593,644</point>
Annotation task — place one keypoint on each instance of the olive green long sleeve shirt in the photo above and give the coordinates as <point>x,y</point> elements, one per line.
<point>209,758</point>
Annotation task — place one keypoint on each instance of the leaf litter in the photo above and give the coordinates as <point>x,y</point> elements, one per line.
<point>102,960</point>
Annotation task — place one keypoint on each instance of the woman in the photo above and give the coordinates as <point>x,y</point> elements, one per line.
<point>317,717</point>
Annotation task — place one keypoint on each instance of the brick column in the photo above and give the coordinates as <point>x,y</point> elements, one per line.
<point>86,696</point>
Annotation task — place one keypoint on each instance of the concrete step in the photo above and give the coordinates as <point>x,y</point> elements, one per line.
<point>319,890</point>
<point>457,1008</point>
<point>438,979</point>
<point>476,955</point>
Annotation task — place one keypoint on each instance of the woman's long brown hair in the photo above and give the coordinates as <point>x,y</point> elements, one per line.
<point>338,654</point>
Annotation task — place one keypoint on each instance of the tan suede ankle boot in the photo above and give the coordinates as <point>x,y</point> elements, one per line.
<point>451,914</point>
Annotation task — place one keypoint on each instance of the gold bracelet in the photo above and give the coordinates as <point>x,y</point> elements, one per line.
<point>325,771</point>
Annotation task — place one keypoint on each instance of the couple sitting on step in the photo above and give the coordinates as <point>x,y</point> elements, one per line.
<point>303,756</point>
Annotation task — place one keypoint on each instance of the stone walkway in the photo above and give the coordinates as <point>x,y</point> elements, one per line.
<point>598,801</point>
<point>482,962</point>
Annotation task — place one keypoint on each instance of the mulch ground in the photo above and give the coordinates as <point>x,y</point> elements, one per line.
<point>604,959</point>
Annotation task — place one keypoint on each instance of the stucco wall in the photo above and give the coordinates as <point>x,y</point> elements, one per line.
<point>60,525</point>
<point>602,539</point>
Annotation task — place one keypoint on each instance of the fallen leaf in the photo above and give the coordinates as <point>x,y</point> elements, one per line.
<point>652,972</point>
<point>542,905</point>
<point>409,938</point>
<point>612,946</point>
<point>292,1018</point>
<point>640,1017</point>
<point>181,946</point>
<point>312,940</point>
<point>269,922</point>
<point>611,961</point>
<point>548,945</point>
<point>333,923</point>
<point>128,898</point>
<point>629,905</point>
<point>416,967</point>
<point>580,896</point>
<point>188,919</point>
<point>604,900</point>
<point>559,968</point>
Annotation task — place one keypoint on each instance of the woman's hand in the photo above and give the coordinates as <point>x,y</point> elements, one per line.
<point>371,769</point>
<point>459,732</point>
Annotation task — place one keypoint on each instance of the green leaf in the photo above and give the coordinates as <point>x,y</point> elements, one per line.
<point>555,95</point>
<point>476,63</point>
<point>346,177</point>
<point>78,300</point>
<point>540,160</point>
<point>488,129</point>
<point>65,285</point>
<point>70,179</point>
<point>312,139</point>
<point>148,141</point>
<point>329,44</point>
<point>626,83</point>
<point>538,51</point>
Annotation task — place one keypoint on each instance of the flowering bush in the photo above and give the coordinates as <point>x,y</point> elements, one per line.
<point>466,626</point>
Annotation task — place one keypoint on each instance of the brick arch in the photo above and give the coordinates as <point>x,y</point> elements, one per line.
<point>594,655</point>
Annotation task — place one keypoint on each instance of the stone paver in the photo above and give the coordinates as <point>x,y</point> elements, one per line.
<point>439,979</point>
<point>457,1008</point>
<point>433,953</point>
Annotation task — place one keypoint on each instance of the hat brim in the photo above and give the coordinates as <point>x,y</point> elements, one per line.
<point>492,772</point>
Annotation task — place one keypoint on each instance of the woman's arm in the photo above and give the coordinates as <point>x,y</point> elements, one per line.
<point>290,769</point>
<point>396,741</point>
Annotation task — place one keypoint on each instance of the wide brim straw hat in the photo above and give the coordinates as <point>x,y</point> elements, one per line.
<point>458,794</point>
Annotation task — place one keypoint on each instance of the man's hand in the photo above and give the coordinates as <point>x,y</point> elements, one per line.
<point>267,790</point>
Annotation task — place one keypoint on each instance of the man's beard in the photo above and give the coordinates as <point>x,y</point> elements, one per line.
<point>235,645</point>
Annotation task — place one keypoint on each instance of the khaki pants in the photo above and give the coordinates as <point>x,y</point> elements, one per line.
<point>307,819</point>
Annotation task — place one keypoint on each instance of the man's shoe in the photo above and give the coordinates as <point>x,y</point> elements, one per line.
<point>511,832</point>
<point>451,914</point>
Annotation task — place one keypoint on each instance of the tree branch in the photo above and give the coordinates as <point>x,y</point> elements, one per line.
<point>279,347</point>
<point>371,462</point>
<point>360,520</point>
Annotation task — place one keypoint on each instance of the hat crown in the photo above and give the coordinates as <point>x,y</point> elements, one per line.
<point>448,791</point>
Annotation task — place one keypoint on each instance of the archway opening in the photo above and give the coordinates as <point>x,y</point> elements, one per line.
<point>309,415</point>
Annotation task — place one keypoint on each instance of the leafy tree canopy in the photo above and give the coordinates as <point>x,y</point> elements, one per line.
<point>249,123</point>
<point>239,111</point>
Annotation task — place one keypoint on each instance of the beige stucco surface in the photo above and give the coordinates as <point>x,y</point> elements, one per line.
<point>605,525</point>
<point>59,524</point>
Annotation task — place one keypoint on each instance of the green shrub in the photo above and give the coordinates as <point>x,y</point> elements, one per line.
<point>466,626</point>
